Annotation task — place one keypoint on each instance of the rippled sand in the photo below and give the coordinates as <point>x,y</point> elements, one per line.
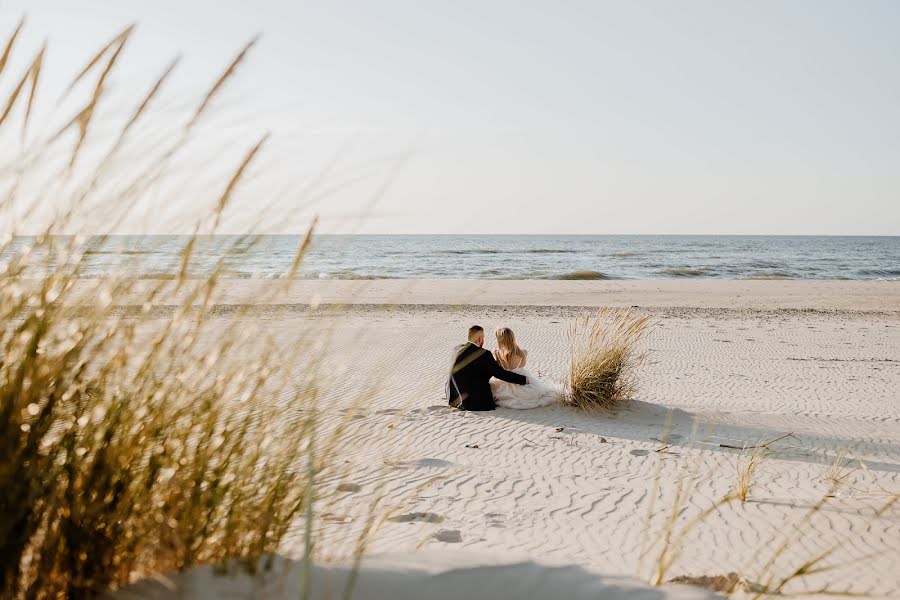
<point>727,366</point>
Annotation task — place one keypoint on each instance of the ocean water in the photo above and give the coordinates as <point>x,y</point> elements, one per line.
<point>491,257</point>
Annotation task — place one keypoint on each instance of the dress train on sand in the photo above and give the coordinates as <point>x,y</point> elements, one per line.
<point>534,394</point>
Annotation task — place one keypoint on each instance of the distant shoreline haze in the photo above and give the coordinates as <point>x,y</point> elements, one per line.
<point>562,257</point>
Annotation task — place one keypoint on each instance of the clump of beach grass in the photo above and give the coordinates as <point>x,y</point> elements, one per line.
<point>747,466</point>
<point>132,445</point>
<point>838,472</point>
<point>604,359</point>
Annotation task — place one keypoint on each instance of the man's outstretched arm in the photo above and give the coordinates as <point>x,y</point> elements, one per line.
<point>500,373</point>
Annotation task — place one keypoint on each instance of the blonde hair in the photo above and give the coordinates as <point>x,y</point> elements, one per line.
<point>506,346</point>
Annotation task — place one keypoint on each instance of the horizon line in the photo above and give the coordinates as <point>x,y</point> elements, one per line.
<point>459,234</point>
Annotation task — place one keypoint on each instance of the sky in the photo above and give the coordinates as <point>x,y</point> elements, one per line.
<point>424,116</point>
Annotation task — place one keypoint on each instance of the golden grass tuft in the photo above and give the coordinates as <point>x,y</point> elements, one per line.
<point>127,452</point>
<point>134,444</point>
<point>604,359</point>
<point>747,466</point>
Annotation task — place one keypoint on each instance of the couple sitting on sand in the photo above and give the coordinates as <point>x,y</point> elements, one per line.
<point>471,387</point>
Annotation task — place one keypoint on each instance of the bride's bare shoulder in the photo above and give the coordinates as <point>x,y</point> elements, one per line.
<point>523,357</point>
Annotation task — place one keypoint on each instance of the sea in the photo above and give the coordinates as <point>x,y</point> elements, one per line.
<point>575,257</point>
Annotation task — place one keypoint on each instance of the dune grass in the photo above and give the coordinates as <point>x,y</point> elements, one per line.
<point>132,445</point>
<point>839,471</point>
<point>747,467</point>
<point>604,358</point>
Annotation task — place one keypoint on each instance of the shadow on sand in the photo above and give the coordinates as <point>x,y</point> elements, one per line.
<point>651,423</point>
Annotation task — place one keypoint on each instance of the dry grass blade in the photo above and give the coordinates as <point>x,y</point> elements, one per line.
<point>84,117</point>
<point>602,371</point>
<point>10,44</point>
<point>747,466</point>
<point>30,77</point>
<point>302,250</point>
<point>226,195</point>
<point>123,134</point>
<point>142,107</point>
<point>220,82</point>
<point>35,77</point>
<point>117,43</point>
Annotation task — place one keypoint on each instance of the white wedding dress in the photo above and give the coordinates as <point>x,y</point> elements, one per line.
<point>534,394</point>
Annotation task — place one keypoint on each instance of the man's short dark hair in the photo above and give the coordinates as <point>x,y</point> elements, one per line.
<point>475,331</point>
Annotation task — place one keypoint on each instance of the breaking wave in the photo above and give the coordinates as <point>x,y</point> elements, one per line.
<point>771,275</point>
<point>687,271</point>
<point>583,275</point>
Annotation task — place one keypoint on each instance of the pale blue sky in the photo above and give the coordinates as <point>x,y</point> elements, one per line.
<point>710,116</point>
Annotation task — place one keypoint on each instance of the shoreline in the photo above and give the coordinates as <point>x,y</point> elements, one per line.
<point>825,296</point>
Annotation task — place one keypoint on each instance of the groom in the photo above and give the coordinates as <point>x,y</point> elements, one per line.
<point>469,385</point>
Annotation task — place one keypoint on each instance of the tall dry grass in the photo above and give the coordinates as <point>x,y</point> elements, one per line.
<point>144,438</point>
<point>604,359</point>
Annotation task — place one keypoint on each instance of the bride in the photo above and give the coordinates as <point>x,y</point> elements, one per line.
<point>512,358</point>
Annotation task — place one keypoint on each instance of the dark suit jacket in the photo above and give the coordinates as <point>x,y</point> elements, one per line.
<point>469,386</point>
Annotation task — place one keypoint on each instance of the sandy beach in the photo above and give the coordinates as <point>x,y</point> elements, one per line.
<point>814,365</point>
<point>238,263</point>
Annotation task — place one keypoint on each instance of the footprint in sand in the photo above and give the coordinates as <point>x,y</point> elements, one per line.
<point>495,520</point>
<point>353,413</point>
<point>638,452</point>
<point>450,536</point>
<point>349,487</point>
<point>417,517</point>
<point>388,411</point>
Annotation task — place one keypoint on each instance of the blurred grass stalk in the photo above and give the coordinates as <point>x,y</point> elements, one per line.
<point>131,447</point>
<point>790,564</point>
